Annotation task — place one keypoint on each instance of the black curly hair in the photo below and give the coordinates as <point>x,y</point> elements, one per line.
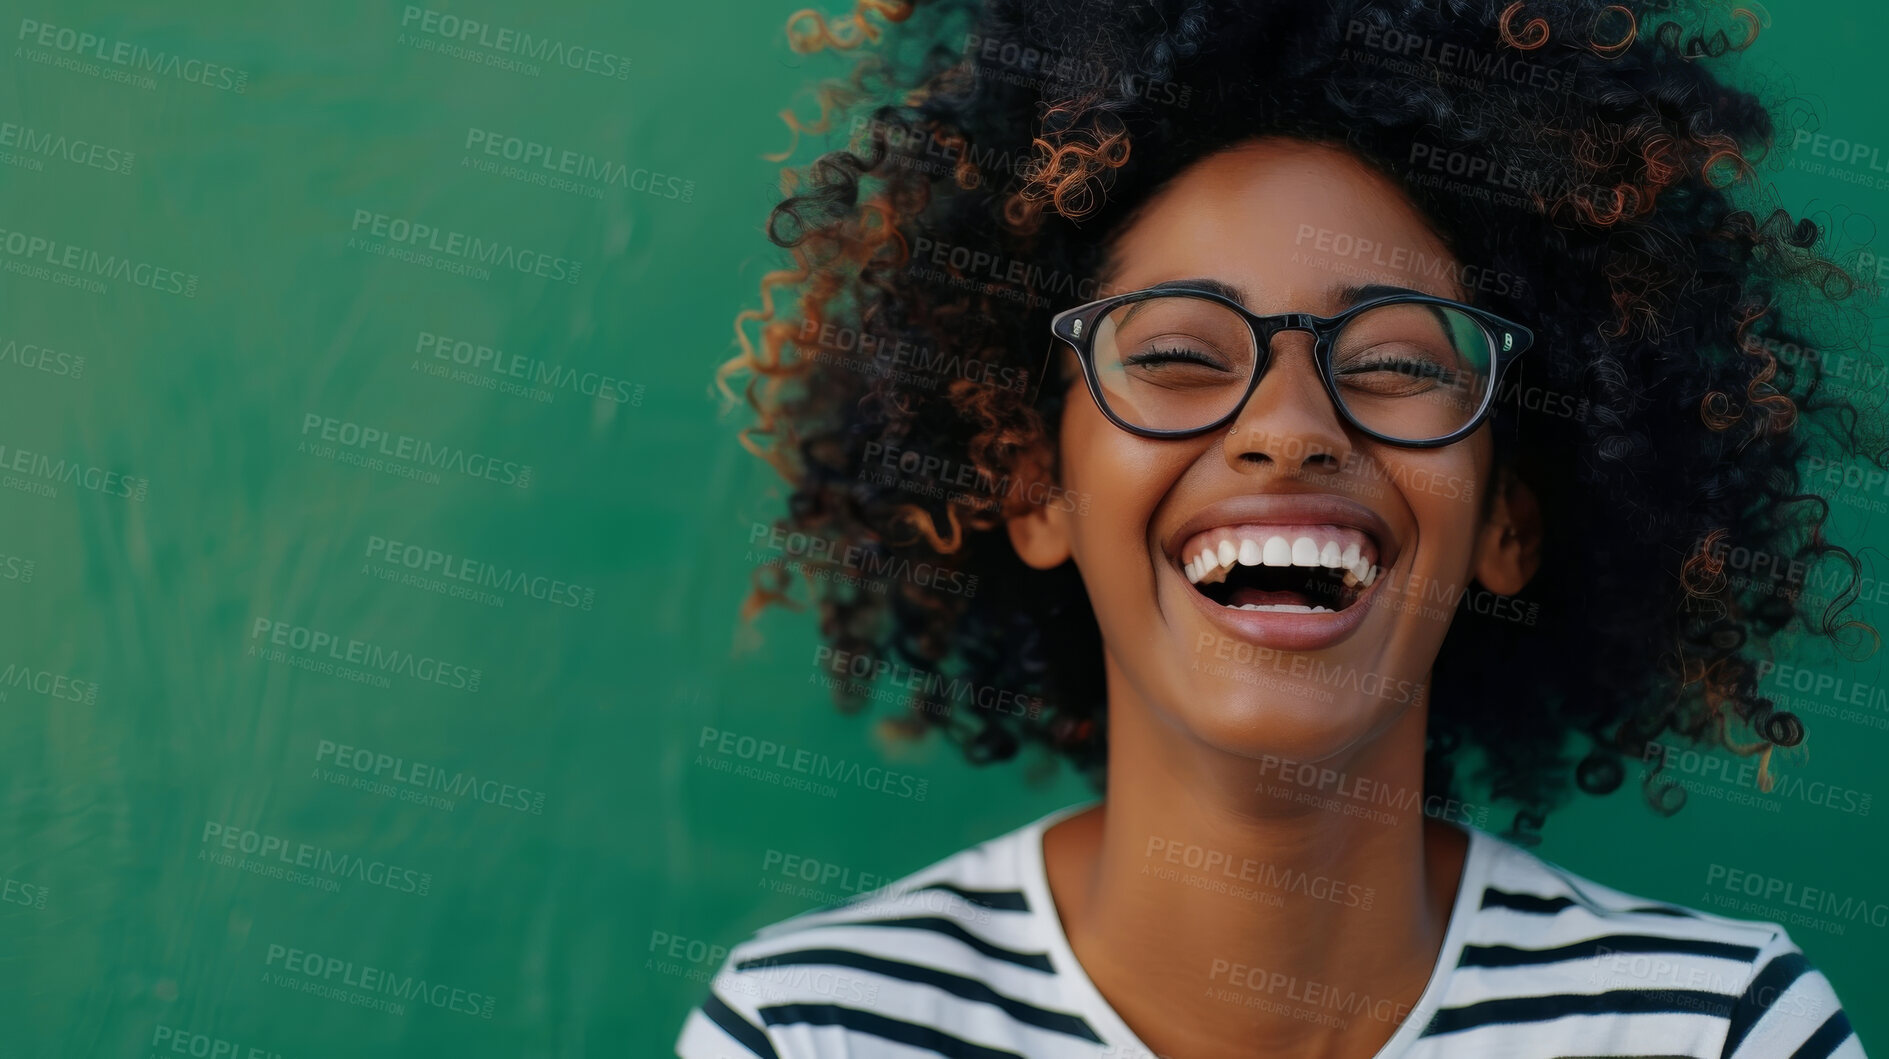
<point>1584,155</point>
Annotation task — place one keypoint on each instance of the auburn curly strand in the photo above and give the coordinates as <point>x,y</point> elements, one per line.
<point>1583,158</point>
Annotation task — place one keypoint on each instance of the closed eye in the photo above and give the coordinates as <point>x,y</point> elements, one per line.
<point>1177,355</point>
<point>1400,377</point>
<point>1411,368</point>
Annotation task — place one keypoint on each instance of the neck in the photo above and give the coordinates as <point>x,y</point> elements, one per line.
<point>1232,906</point>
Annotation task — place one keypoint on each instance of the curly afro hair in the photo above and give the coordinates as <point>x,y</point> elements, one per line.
<point>1585,154</point>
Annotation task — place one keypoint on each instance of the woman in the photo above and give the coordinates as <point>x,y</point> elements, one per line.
<point>1309,404</point>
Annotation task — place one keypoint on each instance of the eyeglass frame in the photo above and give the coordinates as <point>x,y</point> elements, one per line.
<point>1070,326</point>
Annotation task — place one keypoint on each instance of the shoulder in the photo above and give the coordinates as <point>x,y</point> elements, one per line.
<point>956,931</point>
<point>1544,943</point>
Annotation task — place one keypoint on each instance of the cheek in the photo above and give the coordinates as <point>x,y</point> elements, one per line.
<point>1445,495</point>
<point>1115,482</point>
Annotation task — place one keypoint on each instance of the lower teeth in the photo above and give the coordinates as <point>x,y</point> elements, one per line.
<point>1285,608</point>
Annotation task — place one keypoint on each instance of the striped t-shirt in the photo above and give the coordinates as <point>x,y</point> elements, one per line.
<point>967,958</point>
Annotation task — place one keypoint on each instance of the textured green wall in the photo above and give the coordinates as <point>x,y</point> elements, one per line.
<point>209,634</point>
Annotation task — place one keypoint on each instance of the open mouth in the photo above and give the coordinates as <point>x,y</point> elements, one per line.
<point>1283,569</point>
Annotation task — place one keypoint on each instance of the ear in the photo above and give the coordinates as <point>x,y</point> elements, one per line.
<point>1508,549</point>
<point>1038,532</point>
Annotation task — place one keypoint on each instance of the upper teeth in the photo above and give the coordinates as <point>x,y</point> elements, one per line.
<point>1258,548</point>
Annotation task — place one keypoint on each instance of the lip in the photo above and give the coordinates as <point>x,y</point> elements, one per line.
<point>1288,632</point>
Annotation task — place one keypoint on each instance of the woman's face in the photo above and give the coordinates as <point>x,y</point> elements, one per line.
<point>1289,226</point>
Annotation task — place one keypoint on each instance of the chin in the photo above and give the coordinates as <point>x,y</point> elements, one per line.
<point>1277,717</point>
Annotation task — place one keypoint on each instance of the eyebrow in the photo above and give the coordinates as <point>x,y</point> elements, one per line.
<point>1352,295</point>
<point>1348,295</point>
<point>1211,286</point>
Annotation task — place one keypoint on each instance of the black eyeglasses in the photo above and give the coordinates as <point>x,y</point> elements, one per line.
<point>1407,369</point>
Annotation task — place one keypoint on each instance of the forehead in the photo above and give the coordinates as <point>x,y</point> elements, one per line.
<point>1291,223</point>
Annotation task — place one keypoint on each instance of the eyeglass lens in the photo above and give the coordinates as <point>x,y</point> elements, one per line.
<point>1409,371</point>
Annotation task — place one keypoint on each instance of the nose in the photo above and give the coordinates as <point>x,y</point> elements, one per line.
<point>1289,424</point>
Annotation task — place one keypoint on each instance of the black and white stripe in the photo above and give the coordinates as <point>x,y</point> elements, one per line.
<point>967,959</point>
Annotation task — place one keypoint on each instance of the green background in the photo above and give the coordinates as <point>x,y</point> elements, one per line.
<point>142,709</point>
